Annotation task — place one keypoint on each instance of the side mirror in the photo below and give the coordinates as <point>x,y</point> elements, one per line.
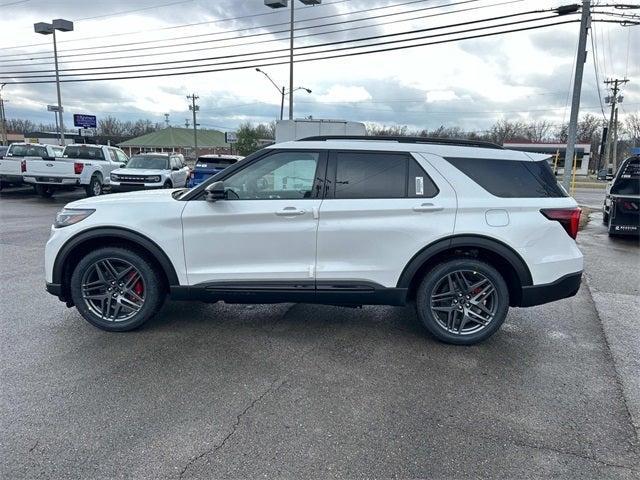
<point>122,165</point>
<point>215,192</point>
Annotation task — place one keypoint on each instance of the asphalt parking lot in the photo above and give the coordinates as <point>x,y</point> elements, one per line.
<point>306,391</point>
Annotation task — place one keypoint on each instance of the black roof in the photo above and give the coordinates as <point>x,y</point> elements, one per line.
<point>402,139</point>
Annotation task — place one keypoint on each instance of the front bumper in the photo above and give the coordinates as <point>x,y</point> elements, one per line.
<point>131,187</point>
<point>564,287</point>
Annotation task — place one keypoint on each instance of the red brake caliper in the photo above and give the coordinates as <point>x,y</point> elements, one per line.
<point>137,287</point>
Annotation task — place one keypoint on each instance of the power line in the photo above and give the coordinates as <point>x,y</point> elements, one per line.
<point>249,54</point>
<point>235,37</point>
<point>595,67</point>
<point>186,25</point>
<point>125,12</point>
<point>260,64</point>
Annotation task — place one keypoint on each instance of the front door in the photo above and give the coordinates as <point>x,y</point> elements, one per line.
<point>265,230</point>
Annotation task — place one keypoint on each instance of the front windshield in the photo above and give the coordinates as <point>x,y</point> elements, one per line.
<point>27,151</point>
<point>149,162</point>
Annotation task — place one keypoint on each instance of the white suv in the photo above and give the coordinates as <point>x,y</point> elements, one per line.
<point>151,170</point>
<point>463,229</point>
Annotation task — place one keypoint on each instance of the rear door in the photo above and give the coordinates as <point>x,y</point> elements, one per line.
<point>381,208</point>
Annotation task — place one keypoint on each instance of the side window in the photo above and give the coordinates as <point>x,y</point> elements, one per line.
<point>122,158</point>
<point>419,184</point>
<point>284,175</point>
<point>112,154</point>
<point>371,175</point>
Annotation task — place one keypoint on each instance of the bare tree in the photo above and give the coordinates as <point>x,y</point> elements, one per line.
<point>538,131</point>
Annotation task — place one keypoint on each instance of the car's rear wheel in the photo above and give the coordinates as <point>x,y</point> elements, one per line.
<point>462,301</point>
<point>45,191</point>
<point>116,289</point>
<point>94,189</point>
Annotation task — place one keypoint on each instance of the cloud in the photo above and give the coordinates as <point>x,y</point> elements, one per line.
<point>345,94</point>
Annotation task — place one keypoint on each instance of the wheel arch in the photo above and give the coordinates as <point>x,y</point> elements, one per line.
<point>504,258</point>
<point>71,253</point>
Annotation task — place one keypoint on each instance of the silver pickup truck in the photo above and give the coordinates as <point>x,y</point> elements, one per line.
<point>12,164</point>
<point>86,166</point>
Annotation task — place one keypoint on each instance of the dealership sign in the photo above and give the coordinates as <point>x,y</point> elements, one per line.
<point>84,121</point>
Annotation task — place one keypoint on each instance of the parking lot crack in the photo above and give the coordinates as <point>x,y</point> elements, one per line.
<point>273,388</point>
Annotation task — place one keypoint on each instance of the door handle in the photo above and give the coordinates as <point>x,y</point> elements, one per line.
<point>427,207</point>
<point>290,212</point>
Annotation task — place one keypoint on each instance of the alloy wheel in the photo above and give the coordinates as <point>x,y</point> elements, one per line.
<point>113,289</point>
<point>464,302</point>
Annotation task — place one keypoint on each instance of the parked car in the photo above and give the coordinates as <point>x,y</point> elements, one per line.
<point>151,170</point>
<point>621,209</point>
<point>605,174</point>
<point>12,163</point>
<point>3,150</point>
<point>86,166</point>
<point>208,165</point>
<point>463,229</point>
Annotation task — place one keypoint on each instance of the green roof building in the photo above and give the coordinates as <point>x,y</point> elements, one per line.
<point>178,140</point>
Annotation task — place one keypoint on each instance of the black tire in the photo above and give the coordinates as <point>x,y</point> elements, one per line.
<point>95,187</point>
<point>167,184</point>
<point>153,295</point>
<point>44,191</point>
<point>474,270</point>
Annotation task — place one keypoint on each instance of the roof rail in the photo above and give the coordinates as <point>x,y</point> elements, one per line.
<point>401,139</point>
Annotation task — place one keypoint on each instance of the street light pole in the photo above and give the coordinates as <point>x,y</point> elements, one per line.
<point>282,91</point>
<point>60,112</point>
<point>48,29</point>
<point>283,4</point>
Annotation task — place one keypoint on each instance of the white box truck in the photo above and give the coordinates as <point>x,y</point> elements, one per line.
<point>289,130</point>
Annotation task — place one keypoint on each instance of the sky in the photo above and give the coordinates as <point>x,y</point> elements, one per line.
<point>468,84</point>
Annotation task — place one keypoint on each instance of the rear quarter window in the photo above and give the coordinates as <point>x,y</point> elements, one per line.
<point>510,178</point>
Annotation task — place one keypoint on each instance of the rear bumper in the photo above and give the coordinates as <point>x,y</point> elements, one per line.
<point>564,287</point>
<point>52,180</point>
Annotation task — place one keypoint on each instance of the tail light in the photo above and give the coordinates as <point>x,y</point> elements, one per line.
<point>23,166</point>
<point>569,218</point>
<point>77,168</point>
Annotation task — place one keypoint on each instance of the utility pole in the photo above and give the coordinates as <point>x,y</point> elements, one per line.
<point>166,120</point>
<point>293,2</point>
<point>581,58</point>
<point>194,108</point>
<point>616,82</point>
<point>614,155</point>
<point>3,119</point>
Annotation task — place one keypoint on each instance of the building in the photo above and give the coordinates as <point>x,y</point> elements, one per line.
<point>557,152</point>
<point>177,140</point>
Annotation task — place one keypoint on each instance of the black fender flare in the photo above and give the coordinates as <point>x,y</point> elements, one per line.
<point>478,241</point>
<point>129,235</point>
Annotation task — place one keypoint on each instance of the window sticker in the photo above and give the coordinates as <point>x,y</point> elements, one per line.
<point>419,185</point>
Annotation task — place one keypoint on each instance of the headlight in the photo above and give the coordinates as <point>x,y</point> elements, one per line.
<point>114,177</point>
<point>154,179</point>
<point>69,216</point>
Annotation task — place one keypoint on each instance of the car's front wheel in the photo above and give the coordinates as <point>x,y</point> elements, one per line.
<point>116,289</point>
<point>462,301</point>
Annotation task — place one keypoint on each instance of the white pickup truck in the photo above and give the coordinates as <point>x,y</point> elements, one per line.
<point>87,166</point>
<point>13,162</point>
